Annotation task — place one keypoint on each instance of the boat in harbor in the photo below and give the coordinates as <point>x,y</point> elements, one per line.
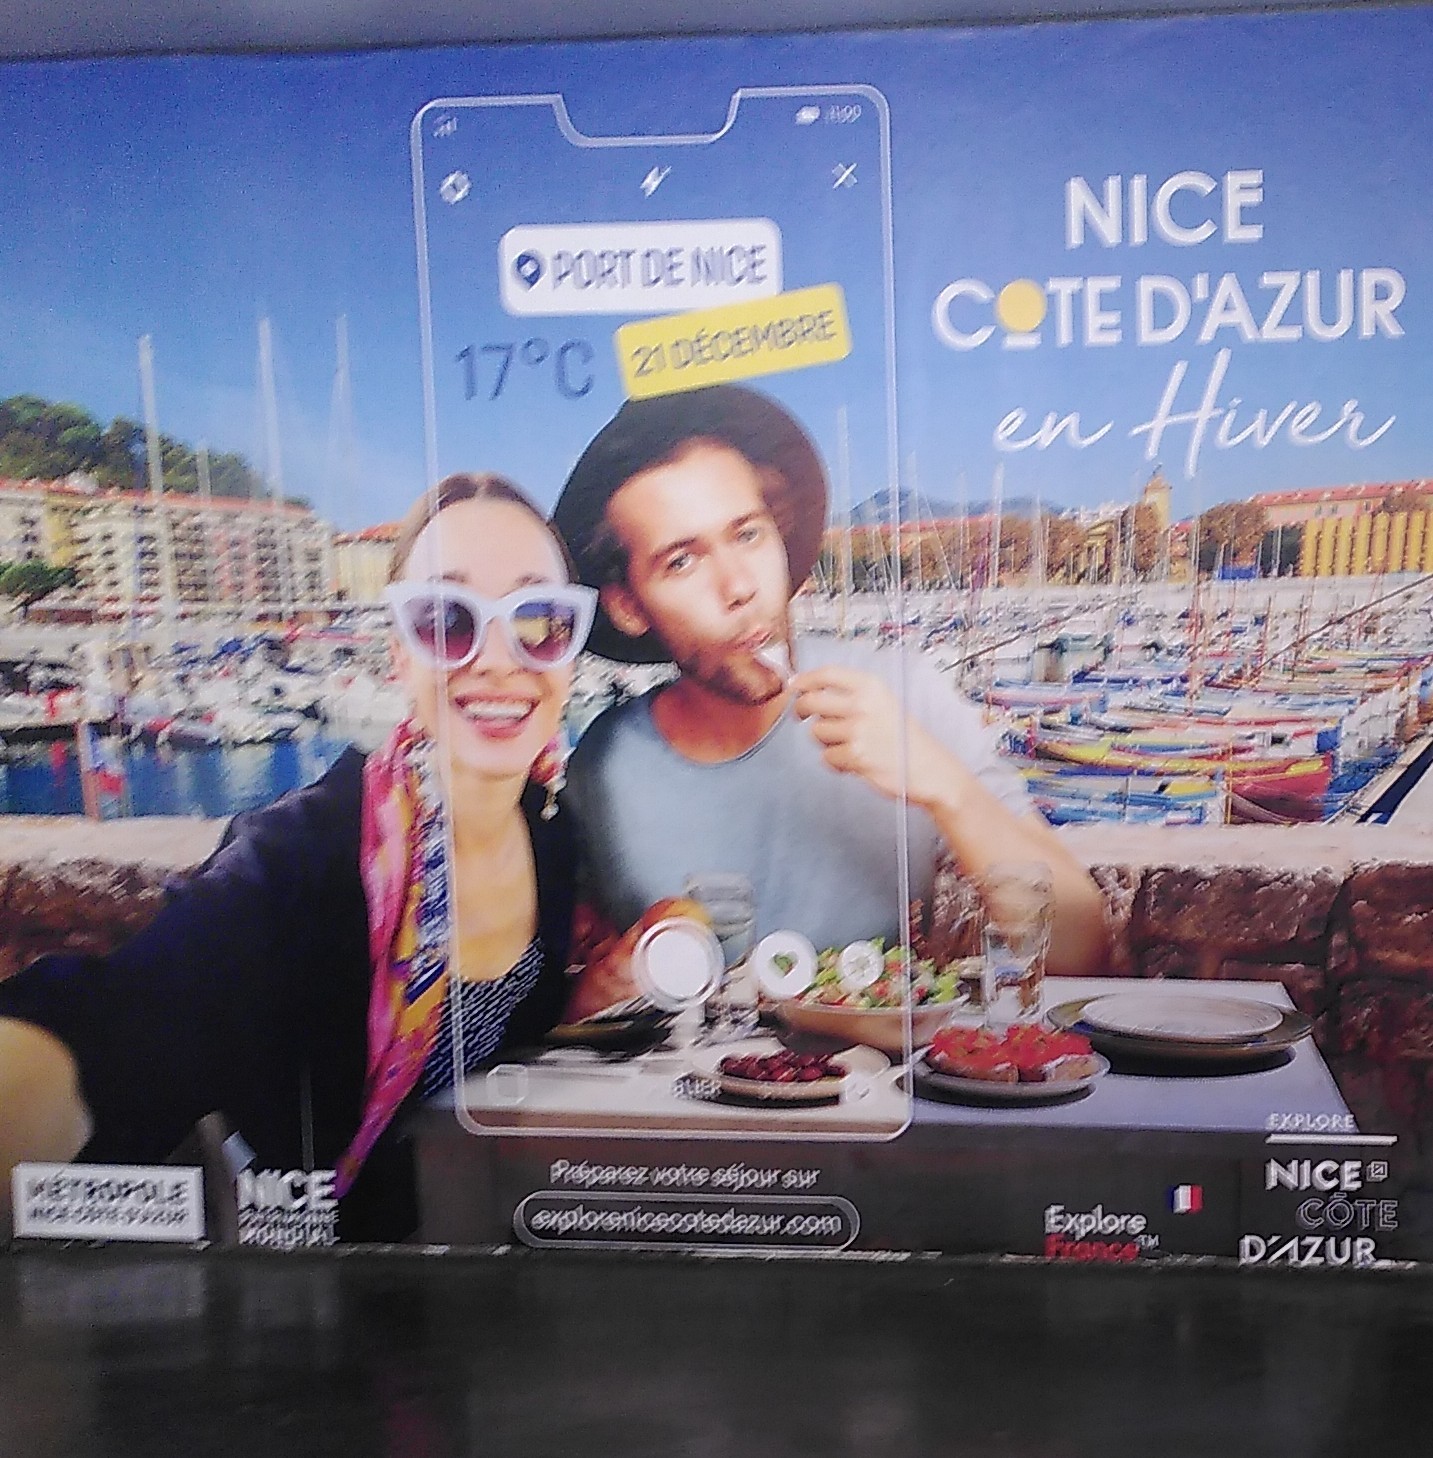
<point>1070,797</point>
<point>1279,706</point>
<point>1239,708</point>
<point>1286,784</point>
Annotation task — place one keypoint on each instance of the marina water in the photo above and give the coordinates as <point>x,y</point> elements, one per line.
<point>216,781</point>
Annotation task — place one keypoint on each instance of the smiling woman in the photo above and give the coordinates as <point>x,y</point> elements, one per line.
<point>362,942</point>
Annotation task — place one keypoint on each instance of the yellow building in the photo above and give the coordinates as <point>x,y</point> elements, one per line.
<point>1399,542</point>
<point>1158,494</point>
<point>1349,531</point>
<point>361,560</point>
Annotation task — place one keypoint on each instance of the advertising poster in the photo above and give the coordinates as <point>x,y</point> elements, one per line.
<point>827,655</point>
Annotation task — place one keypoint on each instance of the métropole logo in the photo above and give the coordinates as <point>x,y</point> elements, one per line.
<point>108,1202</point>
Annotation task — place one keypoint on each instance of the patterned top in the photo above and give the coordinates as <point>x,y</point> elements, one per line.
<point>485,1010</point>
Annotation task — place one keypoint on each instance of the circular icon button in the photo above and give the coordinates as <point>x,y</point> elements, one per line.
<point>859,965</point>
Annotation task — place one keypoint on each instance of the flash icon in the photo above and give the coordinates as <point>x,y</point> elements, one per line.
<point>455,187</point>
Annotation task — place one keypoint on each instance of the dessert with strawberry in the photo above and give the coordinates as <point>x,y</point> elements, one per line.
<point>1022,1054</point>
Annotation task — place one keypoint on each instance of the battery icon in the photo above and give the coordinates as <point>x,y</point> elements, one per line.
<point>807,115</point>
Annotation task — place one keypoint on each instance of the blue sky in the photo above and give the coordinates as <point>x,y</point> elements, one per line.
<point>187,197</point>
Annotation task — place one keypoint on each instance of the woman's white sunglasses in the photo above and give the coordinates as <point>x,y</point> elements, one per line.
<point>545,624</point>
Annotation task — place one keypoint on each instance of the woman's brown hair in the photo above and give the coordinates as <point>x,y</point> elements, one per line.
<point>463,486</point>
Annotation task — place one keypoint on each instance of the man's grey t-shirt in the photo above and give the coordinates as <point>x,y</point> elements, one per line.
<point>820,847</point>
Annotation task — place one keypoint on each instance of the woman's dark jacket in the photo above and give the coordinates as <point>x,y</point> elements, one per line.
<point>248,996</point>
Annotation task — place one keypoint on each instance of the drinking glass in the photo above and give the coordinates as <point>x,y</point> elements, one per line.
<point>1019,907</point>
<point>730,901</point>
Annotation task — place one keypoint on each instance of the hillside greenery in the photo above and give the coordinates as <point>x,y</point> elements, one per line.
<point>45,440</point>
<point>31,580</point>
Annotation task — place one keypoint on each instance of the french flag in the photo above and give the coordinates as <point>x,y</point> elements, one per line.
<point>98,759</point>
<point>1186,1199</point>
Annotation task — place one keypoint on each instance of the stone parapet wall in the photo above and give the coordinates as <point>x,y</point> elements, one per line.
<point>1341,915</point>
<point>1320,904</point>
<point>69,884</point>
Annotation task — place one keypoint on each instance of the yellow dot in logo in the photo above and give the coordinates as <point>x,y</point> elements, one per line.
<point>1020,305</point>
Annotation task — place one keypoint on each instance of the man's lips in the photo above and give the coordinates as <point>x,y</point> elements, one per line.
<point>768,649</point>
<point>754,641</point>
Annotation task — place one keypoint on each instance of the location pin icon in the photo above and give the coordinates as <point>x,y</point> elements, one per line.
<point>528,267</point>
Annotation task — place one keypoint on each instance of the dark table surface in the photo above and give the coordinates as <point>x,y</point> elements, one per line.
<point>127,1353</point>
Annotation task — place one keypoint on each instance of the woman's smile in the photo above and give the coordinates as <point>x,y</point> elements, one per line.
<point>497,716</point>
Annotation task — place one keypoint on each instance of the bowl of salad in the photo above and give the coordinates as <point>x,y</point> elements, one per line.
<point>875,1015</point>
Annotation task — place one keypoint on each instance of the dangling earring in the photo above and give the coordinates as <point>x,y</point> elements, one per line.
<point>550,771</point>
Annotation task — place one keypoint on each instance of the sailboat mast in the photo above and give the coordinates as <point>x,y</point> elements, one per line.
<point>155,465</point>
<point>1038,545</point>
<point>999,507</point>
<point>206,521</point>
<point>963,500</point>
<point>843,487</point>
<point>343,425</point>
<point>273,464</point>
<point>916,525</point>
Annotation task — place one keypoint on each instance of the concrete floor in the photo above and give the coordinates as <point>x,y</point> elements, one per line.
<point>411,1356</point>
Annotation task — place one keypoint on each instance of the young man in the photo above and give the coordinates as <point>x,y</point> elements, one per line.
<point>697,516</point>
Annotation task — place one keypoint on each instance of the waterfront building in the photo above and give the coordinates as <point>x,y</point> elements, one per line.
<point>1357,530</point>
<point>22,522</point>
<point>37,518</point>
<point>1037,543</point>
<point>134,549</point>
<point>1123,541</point>
<point>1098,555</point>
<point>1158,496</point>
<point>361,563</point>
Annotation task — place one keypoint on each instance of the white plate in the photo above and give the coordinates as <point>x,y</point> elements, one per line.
<point>858,1061</point>
<point>677,963</point>
<point>990,1091</point>
<point>1182,1019</point>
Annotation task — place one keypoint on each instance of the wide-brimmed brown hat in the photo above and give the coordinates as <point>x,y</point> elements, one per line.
<point>643,434</point>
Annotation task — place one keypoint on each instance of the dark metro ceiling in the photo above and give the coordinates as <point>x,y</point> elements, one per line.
<point>43,28</point>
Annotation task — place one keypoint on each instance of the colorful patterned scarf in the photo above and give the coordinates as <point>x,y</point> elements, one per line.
<point>404,865</point>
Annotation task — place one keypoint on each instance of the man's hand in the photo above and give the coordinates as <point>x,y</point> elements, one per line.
<point>858,721</point>
<point>606,977</point>
<point>42,1113</point>
<point>600,985</point>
